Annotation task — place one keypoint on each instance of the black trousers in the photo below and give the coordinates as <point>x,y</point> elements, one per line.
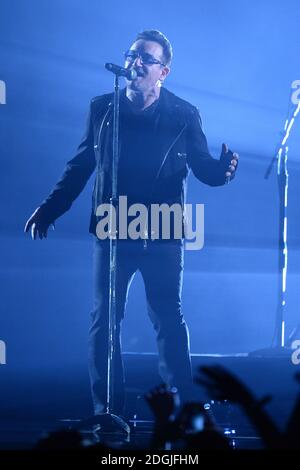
<point>161,266</point>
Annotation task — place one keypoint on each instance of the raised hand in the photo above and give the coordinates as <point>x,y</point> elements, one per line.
<point>222,385</point>
<point>163,402</point>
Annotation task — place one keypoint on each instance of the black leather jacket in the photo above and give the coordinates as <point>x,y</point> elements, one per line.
<point>180,142</point>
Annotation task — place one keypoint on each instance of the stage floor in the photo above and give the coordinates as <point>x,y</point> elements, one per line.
<point>24,435</point>
<point>39,402</point>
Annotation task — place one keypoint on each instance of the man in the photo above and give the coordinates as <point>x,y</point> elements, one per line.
<point>161,139</point>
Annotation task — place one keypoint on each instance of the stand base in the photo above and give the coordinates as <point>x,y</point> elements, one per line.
<point>107,423</point>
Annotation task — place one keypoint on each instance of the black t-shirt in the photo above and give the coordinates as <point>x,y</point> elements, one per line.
<point>139,159</point>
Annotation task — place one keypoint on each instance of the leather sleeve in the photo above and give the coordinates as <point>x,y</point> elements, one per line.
<point>74,177</point>
<point>206,168</point>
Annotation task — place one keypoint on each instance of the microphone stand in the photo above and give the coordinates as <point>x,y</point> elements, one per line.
<point>278,347</point>
<point>109,422</point>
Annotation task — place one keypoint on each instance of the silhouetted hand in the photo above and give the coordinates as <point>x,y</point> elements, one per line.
<point>230,161</point>
<point>163,402</point>
<point>38,224</point>
<point>222,385</point>
<point>297,376</point>
<point>292,433</point>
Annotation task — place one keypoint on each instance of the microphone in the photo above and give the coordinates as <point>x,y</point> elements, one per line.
<point>121,71</point>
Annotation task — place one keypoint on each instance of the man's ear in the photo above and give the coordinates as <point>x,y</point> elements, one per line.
<point>164,73</point>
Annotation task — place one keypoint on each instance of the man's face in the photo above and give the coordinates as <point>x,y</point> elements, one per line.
<point>150,75</point>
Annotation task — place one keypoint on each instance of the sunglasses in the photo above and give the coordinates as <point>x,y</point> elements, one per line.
<point>145,58</point>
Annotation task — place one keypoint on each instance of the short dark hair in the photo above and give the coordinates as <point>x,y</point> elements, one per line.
<point>160,38</point>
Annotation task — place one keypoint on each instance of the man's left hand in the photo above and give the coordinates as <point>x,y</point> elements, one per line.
<point>230,161</point>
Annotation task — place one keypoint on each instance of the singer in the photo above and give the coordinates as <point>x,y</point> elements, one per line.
<point>161,140</point>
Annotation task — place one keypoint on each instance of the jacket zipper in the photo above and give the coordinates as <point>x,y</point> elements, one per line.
<point>98,148</point>
<point>157,176</point>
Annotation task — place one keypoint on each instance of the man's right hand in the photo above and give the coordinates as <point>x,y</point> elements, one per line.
<point>38,225</point>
